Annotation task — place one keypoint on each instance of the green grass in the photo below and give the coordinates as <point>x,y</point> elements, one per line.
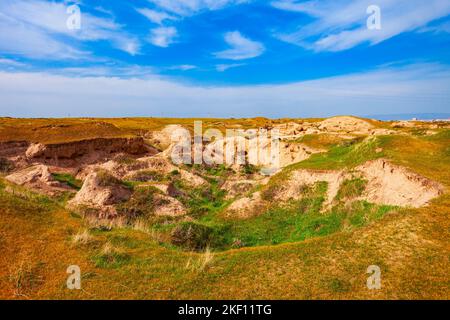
<point>68,179</point>
<point>141,203</point>
<point>347,154</point>
<point>296,221</point>
<point>202,201</point>
<point>351,188</point>
<point>111,260</point>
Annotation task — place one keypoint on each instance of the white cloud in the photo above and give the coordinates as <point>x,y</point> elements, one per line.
<point>37,27</point>
<point>241,47</point>
<point>225,67</point>
<point>119,71</point>
<point>190,7</point>
<point>390,90</point>
<point>183,67</point>
<point>341,24</point>
<point>163,36</point>
<point>157,17</point>
<point>23,39</point>
<point>11,63</point>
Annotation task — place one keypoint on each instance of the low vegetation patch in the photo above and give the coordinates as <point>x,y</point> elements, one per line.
<point>141,204</point>
<point>106,179</point>
<point>294,221</point>
<point>68,179</point>
<point>111,257</point>
<point>147,176</point>
<point>192,236</point>
<point>351,188</point>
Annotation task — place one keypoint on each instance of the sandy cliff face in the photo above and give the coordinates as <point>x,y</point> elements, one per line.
<point>86,151</point>
<point>13,148</point>
<point>395,185</point>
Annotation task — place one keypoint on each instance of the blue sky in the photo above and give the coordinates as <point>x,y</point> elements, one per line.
<point>224,58</point>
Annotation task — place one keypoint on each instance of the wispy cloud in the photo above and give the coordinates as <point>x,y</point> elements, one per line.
<point>341,24</point>
<point>190,7</point>
<point>183,67</point>
<point>408,89</point>
<point>154,16</point>
<point>225,67</point>
<point>163,36</point>
<point>38,28</point>
<point>241,47</point>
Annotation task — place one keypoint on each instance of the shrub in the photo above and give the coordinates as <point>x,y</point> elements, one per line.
<point>270,193</point>
<point>147,175</point>
<point>192,236</point>
<point>198,264</point>
<point>141,203</point>
<point>249,169</point>
<point>125,159</point>
<point>82,238</point>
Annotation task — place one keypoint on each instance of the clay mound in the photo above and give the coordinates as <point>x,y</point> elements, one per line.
<point>404,124</point>
<point>310,177</point>
<point>168,206</point>
<point>346,124</point>
<point>247,207</point>
<point>101,194</point>
<point>395,185</point>
<point>291,153</point>
<point>291,129</point>
<point>118,168</point>
<point>126,171</point>
<point>238,187</point>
